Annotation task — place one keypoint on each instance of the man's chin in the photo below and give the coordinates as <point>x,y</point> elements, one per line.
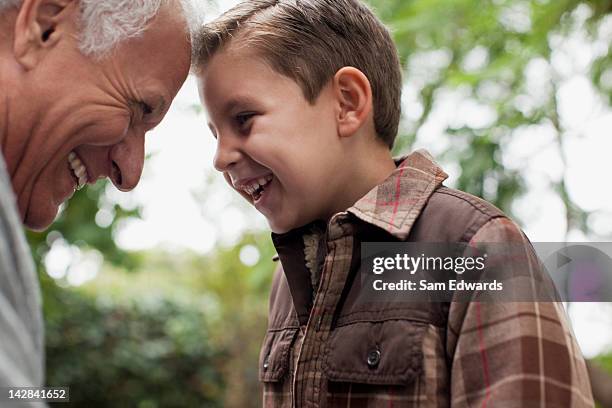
<point>39,220</point>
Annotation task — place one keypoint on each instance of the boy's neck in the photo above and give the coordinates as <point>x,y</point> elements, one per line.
<point>374,166</point>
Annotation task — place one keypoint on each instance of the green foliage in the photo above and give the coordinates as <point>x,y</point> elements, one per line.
<point>241,293</point>
<point>76,224</point>
<point>132,354</point>
<point>181,330</point>
<point>508,35</point>
<point>605,361</point>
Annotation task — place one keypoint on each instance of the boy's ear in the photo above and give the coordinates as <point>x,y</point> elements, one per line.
<point>353,94</point>
<point>39,27</point>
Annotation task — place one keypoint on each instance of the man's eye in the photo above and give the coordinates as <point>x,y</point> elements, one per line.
<point>146,108</point>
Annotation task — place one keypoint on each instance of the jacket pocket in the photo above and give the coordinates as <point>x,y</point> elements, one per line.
<point>376,353</point>
<point>274,355</point>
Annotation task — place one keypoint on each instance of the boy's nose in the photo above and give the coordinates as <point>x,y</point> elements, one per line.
<point>226,155</point>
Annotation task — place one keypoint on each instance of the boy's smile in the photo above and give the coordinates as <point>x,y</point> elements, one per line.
<point>255,187</point>
<point>277,150</point>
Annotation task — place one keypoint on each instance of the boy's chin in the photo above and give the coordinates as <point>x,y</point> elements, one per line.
<point>278,229</point>
<point>283,226</point>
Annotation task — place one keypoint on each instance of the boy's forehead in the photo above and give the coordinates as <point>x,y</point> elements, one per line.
<point>238,77</point>
<point>236,53</point>
<point>227,88</point>
<point>223,75</point>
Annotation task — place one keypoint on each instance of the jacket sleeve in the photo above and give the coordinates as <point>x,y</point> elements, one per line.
<point>514,354</point>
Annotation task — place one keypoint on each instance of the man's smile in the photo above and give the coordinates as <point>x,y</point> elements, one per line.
<point>79,170</point>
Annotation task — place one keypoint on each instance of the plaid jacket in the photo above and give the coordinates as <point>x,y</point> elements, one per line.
<point>324,348</point>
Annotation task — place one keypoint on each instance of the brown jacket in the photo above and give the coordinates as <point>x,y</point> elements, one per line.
<point>323,348</point>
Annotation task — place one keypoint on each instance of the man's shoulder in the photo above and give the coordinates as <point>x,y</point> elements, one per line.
<point>21,332</point>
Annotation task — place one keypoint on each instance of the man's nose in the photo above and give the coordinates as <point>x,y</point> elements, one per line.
<point>127,161</point>
<point>227,153</point>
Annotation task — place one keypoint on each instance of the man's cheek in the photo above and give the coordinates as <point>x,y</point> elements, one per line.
<point>40,211</point>
<point>102,127</point>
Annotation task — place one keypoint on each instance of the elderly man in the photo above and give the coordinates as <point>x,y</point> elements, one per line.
<point>81,82</point>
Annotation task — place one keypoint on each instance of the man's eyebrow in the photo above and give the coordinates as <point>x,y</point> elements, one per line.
<point>161,104</point>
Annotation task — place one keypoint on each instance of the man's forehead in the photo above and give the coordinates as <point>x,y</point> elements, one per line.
<point>162,54</point>
<point>165,34</point>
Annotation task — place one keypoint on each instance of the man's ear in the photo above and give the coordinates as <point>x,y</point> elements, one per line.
<point>353,94</point>
<point>39,27</point>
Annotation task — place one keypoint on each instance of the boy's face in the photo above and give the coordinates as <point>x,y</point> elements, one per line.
<point>276,149</point>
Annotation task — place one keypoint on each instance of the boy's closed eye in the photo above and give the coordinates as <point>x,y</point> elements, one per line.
<point>242,121</point>
<point>244,118</point>
<point>212,131</point>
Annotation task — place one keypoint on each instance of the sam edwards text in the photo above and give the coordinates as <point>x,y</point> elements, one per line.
<point>424,285</point>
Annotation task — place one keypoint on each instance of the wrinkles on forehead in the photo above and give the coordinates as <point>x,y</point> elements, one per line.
<point>147,68</point>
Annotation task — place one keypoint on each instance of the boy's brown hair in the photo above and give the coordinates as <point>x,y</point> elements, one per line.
<point>309,41</point>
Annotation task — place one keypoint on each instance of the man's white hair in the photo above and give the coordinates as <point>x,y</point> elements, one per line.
<point>106,23</point>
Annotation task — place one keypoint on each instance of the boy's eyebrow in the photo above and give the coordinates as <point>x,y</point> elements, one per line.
<point>233,104</point>
<point>212,129</point>
<point>237,103</point>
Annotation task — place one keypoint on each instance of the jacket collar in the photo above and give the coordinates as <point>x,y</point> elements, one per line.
<point>393,205</point>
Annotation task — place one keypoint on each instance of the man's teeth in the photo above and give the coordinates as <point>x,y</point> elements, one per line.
<point>252,187</point>
<point>78,168</point>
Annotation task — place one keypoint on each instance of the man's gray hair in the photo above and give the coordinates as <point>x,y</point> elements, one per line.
<point>106,23</point>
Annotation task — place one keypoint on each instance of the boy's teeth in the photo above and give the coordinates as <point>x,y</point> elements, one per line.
<point>254,186</point>
<point>78,169</point>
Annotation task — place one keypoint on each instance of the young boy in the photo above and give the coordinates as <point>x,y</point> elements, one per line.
<point>303,98</point>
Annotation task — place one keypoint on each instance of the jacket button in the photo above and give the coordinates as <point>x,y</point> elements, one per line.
<point>373,358</point>
<point>266,363</point>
